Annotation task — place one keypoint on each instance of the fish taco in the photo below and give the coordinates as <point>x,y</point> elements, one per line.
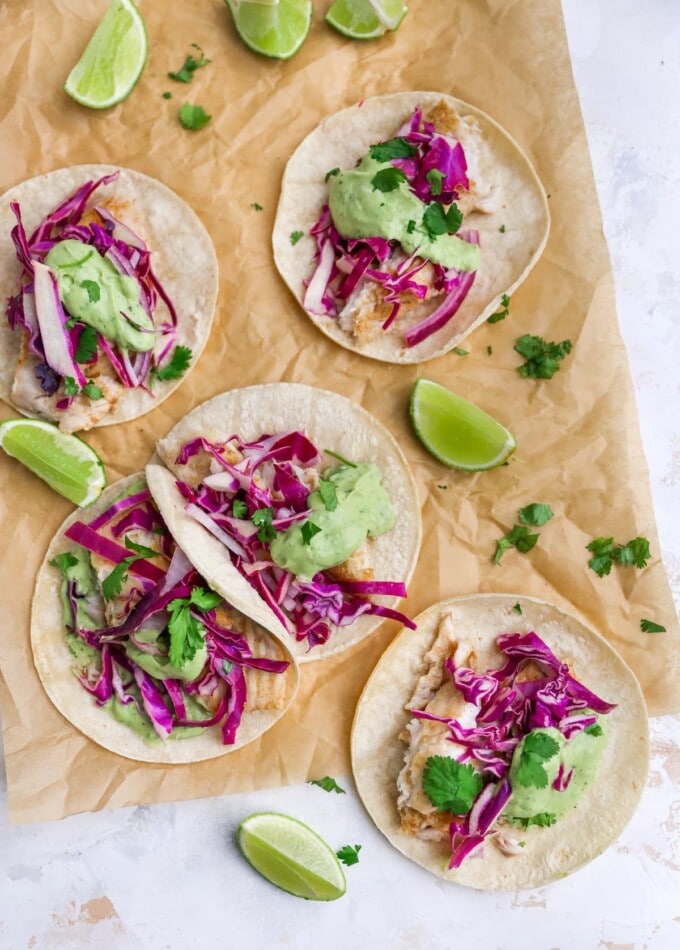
<point>110,283</point>
<point>405,221</point>
<point>297,504</point>
<point>137,651</point>
<point>501,746</point>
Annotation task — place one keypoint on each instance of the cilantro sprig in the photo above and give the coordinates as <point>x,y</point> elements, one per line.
<point>502,313</point>
<point>186,630</point>
<point>262,519</point>
<point>328,784</point>
<point>543,819</point>
<point>450,785</point>
<point>296,236</point>
<point>388,179</point>
<point>239,508</point>
<point>178,365</point>
<point>90,389</point>
<point>193,117</point>
<point>87,345</point>
<point>520,537</point>
<point>93,290</point>
<point>437,220</point>
<point>349,855</point>
<point>394,148</point>
<point>538,747</point>
<point>113,583</point>
<point>329,495</point>
<point>542,358</point>
<point>186,72</point>
<point>606,552</point>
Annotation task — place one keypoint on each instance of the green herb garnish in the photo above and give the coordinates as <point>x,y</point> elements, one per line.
<point>519,537</point>
<point>435,179</point>
<point>193,117</point>
<point>328,784</point>
<point>92,288</point>
<point>450,785</point>
<point>329,495</point>
<point>459,351</point>
<point>64,561</point>
<point>393,148</point>
<point>340,458</point>
<point>256,206</point>
<point>536,514</point>
<point>71,387</point>
<point>542,359</point>
<point>349,855</point>
<point>438,221</point>
<point>502,313</point>
<point>308,530</point>
<point>189,67</point>
<point>262,519</point>
<point>517,608</point>
<point>648,626</point>
<point>332,173</point>
<point>634,553</point>
<point>295,236</point>
<point>538,747</point>
<point>178,365</point>
<point>388,179</point>
<point>594,730</point>
<point>87,345</point>
<point>239,508</point>
<point>544,819</point>
<point>92,391</point>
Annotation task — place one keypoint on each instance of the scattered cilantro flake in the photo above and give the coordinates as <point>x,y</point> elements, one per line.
<point>70,386</point>
<point>634,553</point>
<point>329,495</point>
<point>519,537</point>
<point>648,626</point>
<point>450,785</point>
<point>536,514</point>
<point>203,599</point>
<point>393,148</point>
<point>186,632</point>
<point>64,561</point>
<point>328,784</point>
<point>517,608</point>
<point>538,747</point>
<point>255,206</point>
<point>594,730</point>
<point>411,226</point>
<point>602,548</point>
<point>332,173</point>
<point>139,549</point>
<point>193,117</point>
<point>308,530</point>
<point>262,519</point>
<point>459,351</point>
<point>522,844</point>
<point>92,288</point>
<point>489,351</point>
<point>435,179</point>
<point>388,179</point>
<point>178,365</point>
<point>113,583</point>
<point>340,458</point>
<point>542,358</point>
<point>544,819</point>
<point>167,95</point>
<point>189,67</point>
<point>502,313</point>
<point>295,236</point>
<point>443,487</point>
<point>92,391</point>
<point>239,508</point>
<point>349,855</point>
<point>227,667</point>
<point>87,344</point>
<point>502,229</point>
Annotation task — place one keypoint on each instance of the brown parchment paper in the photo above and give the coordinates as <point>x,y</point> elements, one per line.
<point>578,442</point>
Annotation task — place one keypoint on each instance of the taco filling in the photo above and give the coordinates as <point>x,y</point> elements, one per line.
<point>493,752</point>
<point>154,646</point>
<point>298,524</point>
<point>95,319</point>
<point>394,251</point>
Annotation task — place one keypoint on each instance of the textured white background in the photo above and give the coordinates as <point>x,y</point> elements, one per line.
<point>170,876</point>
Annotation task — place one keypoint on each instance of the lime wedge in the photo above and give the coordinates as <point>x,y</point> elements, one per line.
<point>65,462</point>
<point>456,431</point>
<point>276,29</point>
<point>366,19</point>
<point>291,856</point>
<point>113,59</point>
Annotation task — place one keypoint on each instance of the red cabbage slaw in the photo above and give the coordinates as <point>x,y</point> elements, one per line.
<point>342,263</point>
<point>221,684</point>
<point>507,711</point>
<point>270,475</point>
<point>37,309</point>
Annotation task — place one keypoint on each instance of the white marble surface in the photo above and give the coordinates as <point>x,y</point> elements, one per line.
<point>170,876</point>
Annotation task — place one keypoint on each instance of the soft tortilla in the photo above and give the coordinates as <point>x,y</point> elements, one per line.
<point>183,259</point>
<point>331,422</point>
<point>550,853</point>
<point>340,141</point>
<point>54,664</point>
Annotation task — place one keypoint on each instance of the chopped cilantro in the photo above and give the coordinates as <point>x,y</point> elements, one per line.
<point>70,386</point>
<point>332,173</point>
<point>634,553</point>
<point>594,730</point>
<point>92,391</point>
<point>329,495</point>
<point>239,508</point>
<point>388,179</point>
<point>139,549</point>
<point>193,117</point>
<point>393,148</point>
<point>92,288</point>
<point>542,359</point>
<point>517,608</point>
<point>411,226</point>
<point>309,529</point>
<point>167,95</point>
<point>536,514</point>
<point>648,626</point>
<point>186,632</point>
<point>435,179</point>
<point>601,548</point>
<point>349,855</point>
<point>438,221</point>
<point>262,519</point>
<point>178,365</point>
<point>544,819</point>
<point>113,583</point>
<point>459,351</point>
<point>87,345</point>
<point>502,229</point>
<point>519,537</point>
<point>450,785</point>
<point>340,458</point>
<point>64,561</point>
<point>489,351</point>
<point>189,67</point>
<point>203,599</point>
<point>502,313</point>
<point>227,667</point>
<point>256,206</point>
<point>295,236</point>
<point>538,747</point>
<point>328,784</point>
<point>443,487</point>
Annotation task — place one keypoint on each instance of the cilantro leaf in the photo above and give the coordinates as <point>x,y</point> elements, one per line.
<point>193,117</point>
<point>517,608</point>
<point>434,220</point>
<point>87,345</point>
<point>594,730</point>
<point>139,549</point>
<point>536,514</point>
<point>92,391</point>
<point>186,632</point>
<point>113,584</point>
<point>435,179</point>
<point>459,351</point>
<point>648,626</point>
<point>308,530</point>
<point>349,855</point>
<point>262,519</point>
<point>203,599</point>
<point>502,229</point>
<point>602,549</point>
<point>332,173</point>
<point>541,744</point>
<point>328,784</point>
<point>489,351</point>
<point>92,288</point>
<point>388,179</point>
<point>393,148</point>
<point>538,747</point>
<point>64,561</point>
<point>340,458</point>
<point>635,552</point>
<point>178,365</point>
<point>519,537</point>
<point>189,67</point>
<point>255,206</point>
<point>329,495</point>
<point>295,236</point>
<point>70,386</point>
<point>543,819</point>
<point>502,313</point>
<point>239,508</point>
<point>542,358</point>
<point>450,785</point>
<point>411,226</point>
<point>167,95</point>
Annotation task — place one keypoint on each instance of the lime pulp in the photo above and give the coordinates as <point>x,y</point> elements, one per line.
<point>290,855</point>
<point>366,19</point>
<point>457,432</point>
<point>274,29</point>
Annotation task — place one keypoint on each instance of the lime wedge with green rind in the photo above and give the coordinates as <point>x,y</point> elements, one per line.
<point>366,19</point>
<point>274,29</point>
<point>65,462</point>
<point>455,431</point>
<point>113,60</point>
<point>290,855</point>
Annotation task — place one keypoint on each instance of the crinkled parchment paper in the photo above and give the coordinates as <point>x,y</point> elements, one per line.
<point>579,446</point>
